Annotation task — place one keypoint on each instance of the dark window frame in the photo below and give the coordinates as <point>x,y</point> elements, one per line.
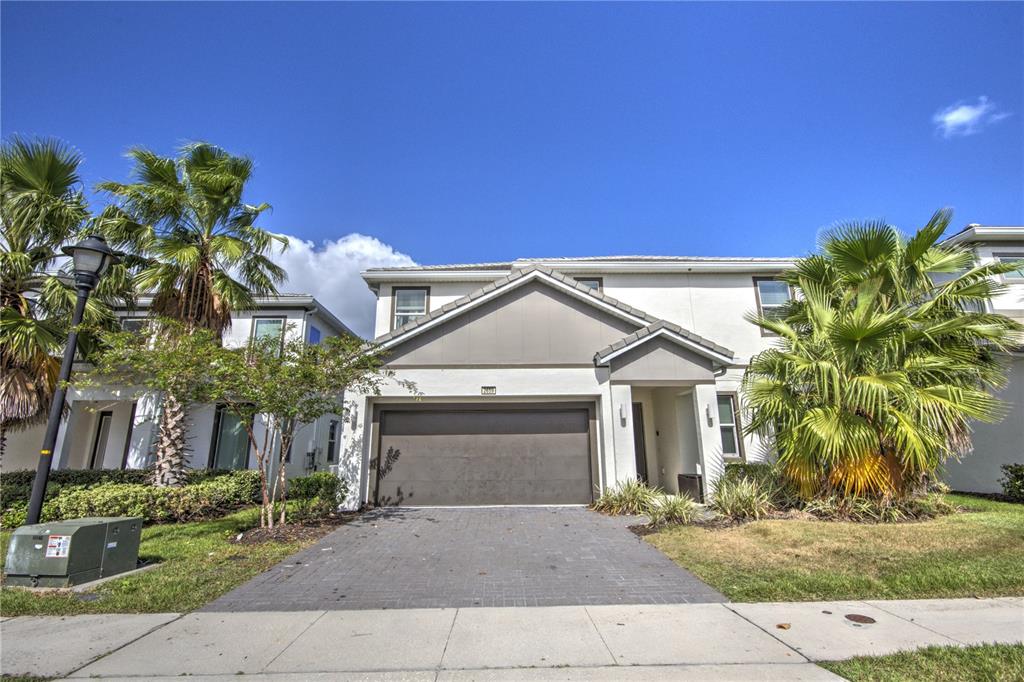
<point>255,321</point>
<point>757,297</point>
<point>394,301</point>
<point>1008,256</point>
<point>96,437</point>
<point>218,415</point>
<point>333,426</point>
<point>734,399</point>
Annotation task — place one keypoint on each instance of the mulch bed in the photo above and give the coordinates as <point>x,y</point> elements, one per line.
<point>292,532</point>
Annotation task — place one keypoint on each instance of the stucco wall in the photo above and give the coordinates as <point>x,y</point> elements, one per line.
<point>993,444</point>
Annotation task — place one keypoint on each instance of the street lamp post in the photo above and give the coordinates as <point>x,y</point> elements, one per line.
<point>91,258</point>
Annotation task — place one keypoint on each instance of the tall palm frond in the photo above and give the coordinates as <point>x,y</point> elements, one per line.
<point>882,362</point>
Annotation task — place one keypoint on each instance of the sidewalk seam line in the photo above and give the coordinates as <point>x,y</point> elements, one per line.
<point>144,634</point>
<point>294,640</point>
<point>912,622</point>
<point>770,634</point>
<point>447,640</point>
<point>607,648</point>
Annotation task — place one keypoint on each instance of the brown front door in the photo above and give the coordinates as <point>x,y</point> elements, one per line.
<point>639,443</point>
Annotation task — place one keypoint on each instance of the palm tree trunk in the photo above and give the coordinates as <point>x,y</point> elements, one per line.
<point>3,446</point>
<point>170,447</point>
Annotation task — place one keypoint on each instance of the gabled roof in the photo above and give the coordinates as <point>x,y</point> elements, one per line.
<point>660,329</point>
<point>567,284</point>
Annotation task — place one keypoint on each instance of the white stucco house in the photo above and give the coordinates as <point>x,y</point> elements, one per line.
<point>545,380</point>
<point>541,381</point>
<point>114,427</point>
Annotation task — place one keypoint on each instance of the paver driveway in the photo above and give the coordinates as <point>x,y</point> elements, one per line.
<point>462,557</point>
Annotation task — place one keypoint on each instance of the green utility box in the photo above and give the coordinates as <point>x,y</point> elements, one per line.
<point>65,553</point>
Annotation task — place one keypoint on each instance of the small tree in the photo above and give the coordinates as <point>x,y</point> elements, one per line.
<point>291,384</point>
<point>179,364</point>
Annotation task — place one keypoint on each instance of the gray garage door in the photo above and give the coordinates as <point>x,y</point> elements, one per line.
<point>464,456</point>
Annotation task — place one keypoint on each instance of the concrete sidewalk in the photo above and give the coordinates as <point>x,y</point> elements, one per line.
<point>649,642</point>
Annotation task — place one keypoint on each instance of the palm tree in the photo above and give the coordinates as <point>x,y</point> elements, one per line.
<point>42,208</point>
<point>205,257</point>
<point>882,361</point>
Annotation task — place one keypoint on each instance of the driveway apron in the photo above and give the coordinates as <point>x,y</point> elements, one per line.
<point>405,558</point>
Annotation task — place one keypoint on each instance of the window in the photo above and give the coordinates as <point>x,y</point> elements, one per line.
<point>313,337</point>
<point>772,295</point>
<point>1016,275</point>
<point>229,448</point>
<point>332,441</point>
<point>595,283</point>
<point>731,443</point>
<point>268,328</point>
<point>135,325</point>
<point>409,304</point>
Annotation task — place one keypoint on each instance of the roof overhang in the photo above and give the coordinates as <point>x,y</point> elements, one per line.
<point>598,266</point>
<point>986,233</point>
<point>659,330</point>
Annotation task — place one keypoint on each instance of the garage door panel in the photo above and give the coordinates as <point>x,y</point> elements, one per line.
<point>496,456</point>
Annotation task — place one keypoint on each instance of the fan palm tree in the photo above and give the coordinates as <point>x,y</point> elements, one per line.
<point>882,361</point>
<point>204,255</point>
<point>42,208</point>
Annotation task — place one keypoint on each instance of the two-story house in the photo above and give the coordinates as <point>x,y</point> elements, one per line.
<point>541,381</point>
<point>115,427</point>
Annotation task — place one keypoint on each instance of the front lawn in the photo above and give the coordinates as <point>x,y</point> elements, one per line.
<point>976,553</point>
<point>995,662</point>
<point>198,564</point>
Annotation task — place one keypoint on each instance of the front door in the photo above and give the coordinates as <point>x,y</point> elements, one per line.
<point>639,443</point>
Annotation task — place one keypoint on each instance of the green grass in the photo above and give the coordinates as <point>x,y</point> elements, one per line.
<point>198,564</point>
<point>994,662</point>
<point>976,553</point>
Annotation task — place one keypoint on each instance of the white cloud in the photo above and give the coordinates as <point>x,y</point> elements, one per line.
<point>330,272</point>
<point>967,119</point>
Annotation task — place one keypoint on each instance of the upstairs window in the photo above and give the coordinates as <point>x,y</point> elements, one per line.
<point>410,303</point>
<point>772,296</point>
<point>313,336</point>
<point>595,283</point>
<point>1015,275</point>
<point>729,426</point>
<point>264,328</point>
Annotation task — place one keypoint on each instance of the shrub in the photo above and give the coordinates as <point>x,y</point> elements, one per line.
<point>1013,481</point>
<point>322,484</point>
<point>316,496</point>
<point>208,498</point>
<point>769,476</point>
<point>741,498</point>
<point>883,510</point>
<point>674,509</point>
<point>17,485</point>
<point>631,497</point>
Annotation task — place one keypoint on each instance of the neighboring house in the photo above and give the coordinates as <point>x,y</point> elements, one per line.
<point>114,427</point>
<point>1002,443</point>
<point>541,381</point>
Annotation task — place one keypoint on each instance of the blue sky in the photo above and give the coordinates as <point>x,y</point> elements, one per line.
<point>466,132</point>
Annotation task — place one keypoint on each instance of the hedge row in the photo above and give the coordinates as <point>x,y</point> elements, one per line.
<point>194,501</point>
<point>16,486</point>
